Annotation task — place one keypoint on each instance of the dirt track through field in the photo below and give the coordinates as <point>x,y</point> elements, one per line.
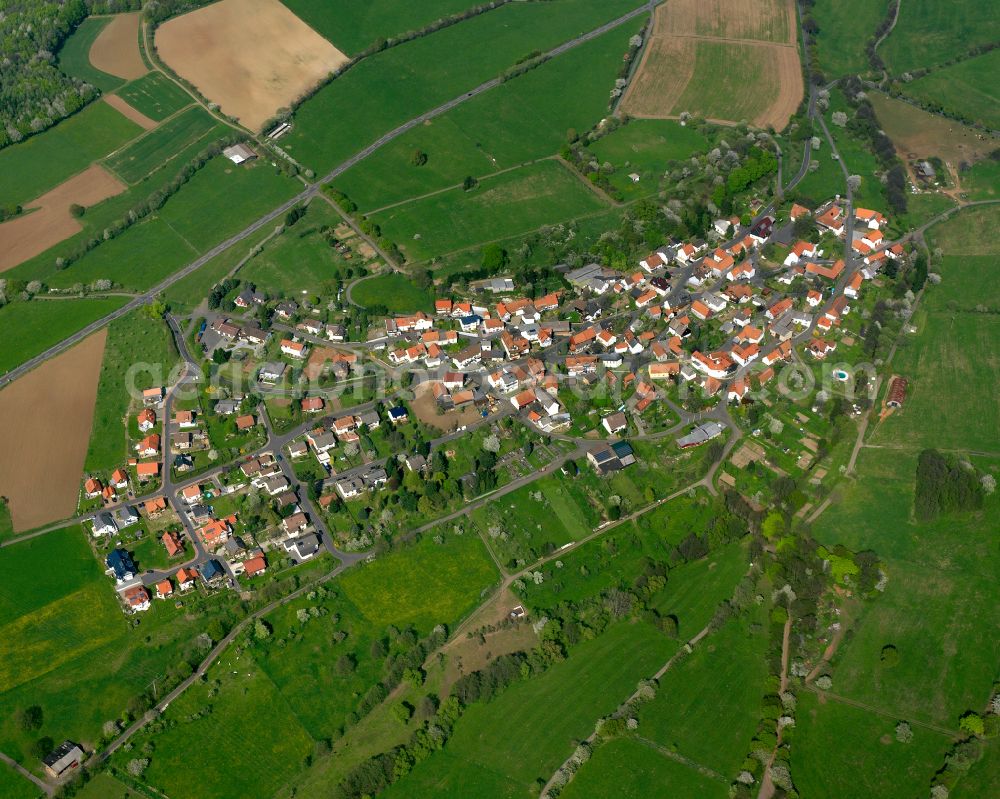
<point>26,236</point>
<point>759,34</point>
<point>45,420</point>
<point>116,48</point>
<point>128,111</point>
<point>252,57</point>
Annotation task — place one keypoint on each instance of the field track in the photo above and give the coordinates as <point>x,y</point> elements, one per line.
<point>116,48</point>
<point>26,236</point>
<point>45,424</point>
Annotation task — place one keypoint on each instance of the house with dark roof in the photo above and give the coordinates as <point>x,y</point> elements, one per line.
<point>120,562</point>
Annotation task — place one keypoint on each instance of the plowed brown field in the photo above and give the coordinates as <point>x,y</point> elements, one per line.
<point>45,420</point>
<point>116,48</point>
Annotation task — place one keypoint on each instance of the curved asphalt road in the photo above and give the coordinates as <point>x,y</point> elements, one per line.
<point>302,196</point>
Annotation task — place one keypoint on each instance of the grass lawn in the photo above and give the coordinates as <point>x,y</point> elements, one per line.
<point>6,526</point>
<point>395,291</point>
<point>389,88</point>
<point>501,206</point>
<point>708,706</point>
<point>353,26</point>
<point>14,786</point>
<point>502,747</point>
<point>136,260</point>
<point>42,162</point>
<point>844,29</point>
<point>969,87</point>
<point>518,121</point>
<point>300,259</point>
<point>929,33</point>
<point>423,585</point>
<point>74,55</point>
<point>104,786</point>
<point>627,768</point>
<point>982,181</point>
<point>133,339</point>
<point>823,183</point>
<point>646,147</point>
<point>29,328</point>
<point>222,199</point>
<point>165,142</point>
<point>839,750</point>
<point>155,95</point>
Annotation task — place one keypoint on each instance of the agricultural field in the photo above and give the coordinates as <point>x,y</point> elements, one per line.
<point>51,221</point>
<point>116,48</point>
<point>355,26</point>
<point>158,147</point>
<point>155,95</point>
<point>44,161</point>
<point>500,206</point>
<point>30,328</point>
<point>629,768</point>
<point>132,340</point>
<point>720,65</point>
<point>394,86</point>
<point>518,121</point>
<point>968,88</point>
<point>395,291</point>
<point>252,57</point>
<point>929,33</point>
<point>74,56</point>
<point>45,418</point>
<point>953,346</point>
<point>844,29</point>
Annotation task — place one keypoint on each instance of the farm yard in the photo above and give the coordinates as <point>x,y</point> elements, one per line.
<point>501,206</point>
<point>45,421</point>
<point>252,57</point>
<point>518,121</point>
<point>398,84</point>
<point>725,67</point>
<point>928,33</point>
<point>51,221</point>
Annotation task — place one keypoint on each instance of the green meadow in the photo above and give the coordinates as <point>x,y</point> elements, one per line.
<point>74,55</point>
<point>42,162</point>
<point>929,33</point>
<point>398,84</point>
<point>29,328</point>
<point>353,26</point>
<point>520,120</point>
<point>969,87</point>
<point>133,339</point>
<point>844,29</point>
<point>499,207</point>
<point>155,95</point>
<point>395,291</point>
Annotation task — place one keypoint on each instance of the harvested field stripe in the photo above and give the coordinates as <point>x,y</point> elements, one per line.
<point>124,108</point>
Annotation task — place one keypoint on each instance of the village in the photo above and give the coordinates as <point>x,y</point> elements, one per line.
<point>304,426</point>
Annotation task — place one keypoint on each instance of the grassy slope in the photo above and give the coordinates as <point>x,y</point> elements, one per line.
<point>29,328</point>
<point>74,56</point>
<point>353,26</point>
<point>929,32</point>
<point>155,95</point>
<point>153,150</point>
<point>398,84</point>
<point>629,769</point>
<point>41,162</point>
<point>971,87</point>
<point>844,29</point>
<point>501,206</point>
<point>133,339</point>
<point>522,119</point>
